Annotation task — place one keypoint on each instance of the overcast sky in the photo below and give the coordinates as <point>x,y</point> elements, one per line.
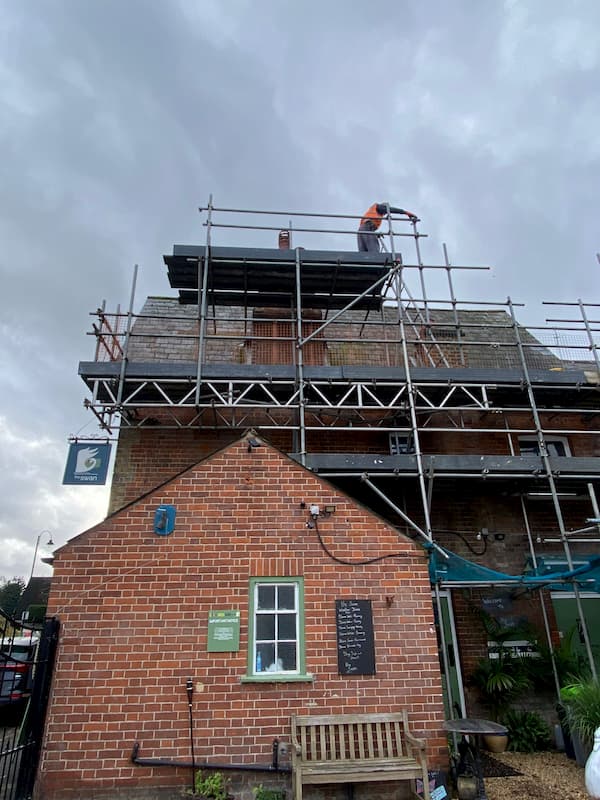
<point>118,118</point>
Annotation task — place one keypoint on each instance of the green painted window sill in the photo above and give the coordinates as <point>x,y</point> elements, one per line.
<point>272,678</point>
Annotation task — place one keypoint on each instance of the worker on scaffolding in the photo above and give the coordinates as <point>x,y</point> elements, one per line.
<point>368,241</point>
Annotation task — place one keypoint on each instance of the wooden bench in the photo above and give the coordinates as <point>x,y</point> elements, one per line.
<point>353,748</point>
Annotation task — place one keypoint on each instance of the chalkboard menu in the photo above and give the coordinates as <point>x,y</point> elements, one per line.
<point>355,642</point>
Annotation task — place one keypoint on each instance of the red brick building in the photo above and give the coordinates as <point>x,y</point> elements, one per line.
<point>134,609</point>
<point>422,422</point>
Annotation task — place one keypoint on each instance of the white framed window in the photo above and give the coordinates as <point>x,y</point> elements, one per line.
<point>276,629</point>
<point>555,445</point>
<point>401,444</point>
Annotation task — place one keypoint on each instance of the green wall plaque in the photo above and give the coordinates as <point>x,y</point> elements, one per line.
<point>223,631</point>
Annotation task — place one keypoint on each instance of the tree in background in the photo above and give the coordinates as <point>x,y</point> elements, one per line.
<point>10,592</point>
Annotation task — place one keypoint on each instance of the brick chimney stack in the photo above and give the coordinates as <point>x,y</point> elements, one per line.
<point>285,240</point>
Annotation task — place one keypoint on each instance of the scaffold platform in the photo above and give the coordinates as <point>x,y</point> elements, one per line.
<point>247,276</point>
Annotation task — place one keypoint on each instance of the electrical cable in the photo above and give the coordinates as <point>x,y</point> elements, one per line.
<point>391,555</point>
<point>466,542</point>
<point>343,560</point>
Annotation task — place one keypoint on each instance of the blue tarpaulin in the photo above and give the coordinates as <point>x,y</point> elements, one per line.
<point>455,570</point>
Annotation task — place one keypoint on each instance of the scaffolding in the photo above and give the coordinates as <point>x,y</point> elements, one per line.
<point>373,352</point>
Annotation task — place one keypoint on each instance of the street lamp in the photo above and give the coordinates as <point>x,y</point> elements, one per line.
<point>37,544</point>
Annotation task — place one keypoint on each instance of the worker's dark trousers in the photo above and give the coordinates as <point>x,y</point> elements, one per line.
<point>367,238</point>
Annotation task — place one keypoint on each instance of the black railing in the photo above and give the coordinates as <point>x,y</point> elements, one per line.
<point>27,655</point>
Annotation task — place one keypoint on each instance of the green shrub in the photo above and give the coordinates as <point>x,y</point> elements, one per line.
<point>570,664</point>
<point>212,785</point>
<point>261,792</point>
<point>527,731</point>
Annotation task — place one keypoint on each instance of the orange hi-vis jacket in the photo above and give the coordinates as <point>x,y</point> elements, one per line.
<point>372,215</point>
<point>377,212</point>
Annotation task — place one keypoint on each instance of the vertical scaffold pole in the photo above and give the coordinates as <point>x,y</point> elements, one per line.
<point>300,359</point>
<point>413,413</point>
<point>127,337</point>
<point>454,306</point>
<point>594,502</point>
<point>588,330</point>
<point>551,482</point>
<point>421,273</point>
<point>542,603</point>
<point>203,300</point>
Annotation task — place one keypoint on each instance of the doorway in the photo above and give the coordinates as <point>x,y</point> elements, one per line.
<point>452,686</point>
<point>567,617</point>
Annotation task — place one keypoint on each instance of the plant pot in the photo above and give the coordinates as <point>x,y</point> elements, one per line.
<point>466,787</point>
<point>495,742</point>
<point>582,749</point>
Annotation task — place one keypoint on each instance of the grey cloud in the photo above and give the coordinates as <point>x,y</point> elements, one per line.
<point>119,119</point>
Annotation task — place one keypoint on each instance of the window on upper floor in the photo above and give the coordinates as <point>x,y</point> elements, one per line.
<point>276,628</point>
<point>401,444</point>
<point>556,446</point>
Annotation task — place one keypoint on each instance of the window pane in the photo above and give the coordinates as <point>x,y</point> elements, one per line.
<point>266,597</point>
<point>556,448</point>
<point>275,666</point>
<point>286,626</point>
<point>529,448</point>
<point>265,655</point>
<point>265,626</point>
<point>287,655</point>
<point>286,597</point>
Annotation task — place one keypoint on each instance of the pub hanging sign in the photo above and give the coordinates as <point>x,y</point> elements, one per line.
<point>87,464</point>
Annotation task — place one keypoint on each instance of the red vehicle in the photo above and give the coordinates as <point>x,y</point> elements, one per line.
<point>17,657</point>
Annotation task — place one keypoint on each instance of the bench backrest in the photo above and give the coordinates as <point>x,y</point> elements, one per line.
<point>350,737</point>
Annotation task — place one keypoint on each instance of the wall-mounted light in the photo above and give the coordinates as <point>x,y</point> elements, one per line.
<point>317,511</point>
<point>164,520</point>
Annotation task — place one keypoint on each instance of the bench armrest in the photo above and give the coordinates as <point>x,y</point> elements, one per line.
<point>418,744</point>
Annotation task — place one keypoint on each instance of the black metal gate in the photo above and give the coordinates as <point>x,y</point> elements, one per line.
<point>27,654</point>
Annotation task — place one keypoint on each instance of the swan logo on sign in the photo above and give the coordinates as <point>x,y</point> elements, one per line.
<point>87,463</point>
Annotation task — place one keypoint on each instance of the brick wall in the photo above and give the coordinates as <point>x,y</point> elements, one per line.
<point>134,610</point>
<point>148,456</point>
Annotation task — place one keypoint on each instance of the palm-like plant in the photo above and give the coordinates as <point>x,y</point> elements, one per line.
<point>583,704</point>
<point>500,681</point>
<point>502,676</point>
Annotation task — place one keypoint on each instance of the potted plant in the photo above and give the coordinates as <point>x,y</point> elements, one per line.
<point>499,682</point>
<point>582,702</point>
<point>500,678</point>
